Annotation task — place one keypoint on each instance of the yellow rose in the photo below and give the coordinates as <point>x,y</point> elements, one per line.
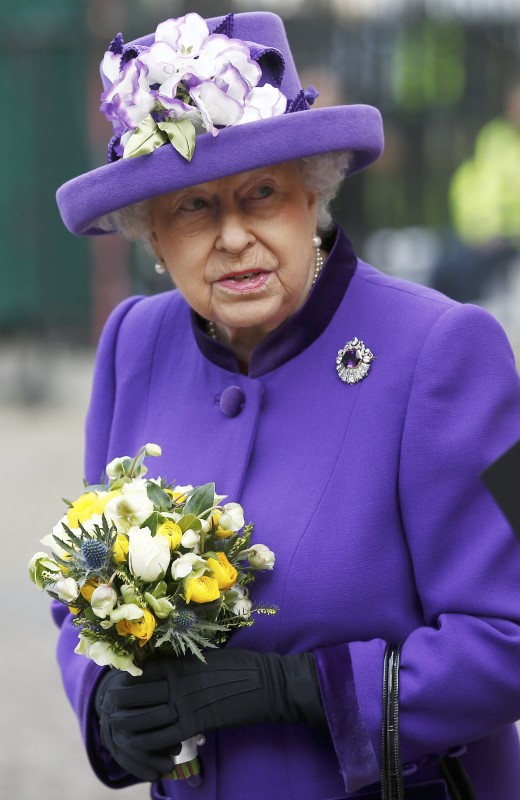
<point>74,610</point>
<point>87,589</point>
<point>82,509</point>
<point>171,531</point>
<point>223,571</point>
<point>87,505</point>
<point>142,628</point>
<point>201,590</point>
<point>222,533</point>
<point>120,548</point>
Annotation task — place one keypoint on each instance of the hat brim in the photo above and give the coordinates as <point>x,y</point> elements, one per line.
<point>240,148</point>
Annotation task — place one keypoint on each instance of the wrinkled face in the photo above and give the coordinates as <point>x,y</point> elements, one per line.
<point>239,248</point>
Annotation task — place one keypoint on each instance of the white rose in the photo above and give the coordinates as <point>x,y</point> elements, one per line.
<point>185,564</point>
<point>103,600</point>
<point>103,655</point>
<point>67,589</point>
<point>232,517</point>
<point>131,508</point>
<point>261,557</point>
<point>148,556</point>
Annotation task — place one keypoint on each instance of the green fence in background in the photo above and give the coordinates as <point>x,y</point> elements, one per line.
<point>44,279</point>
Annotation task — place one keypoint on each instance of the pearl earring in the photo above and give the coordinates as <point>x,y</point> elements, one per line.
<point>316,241</point>
<point>160,268</point>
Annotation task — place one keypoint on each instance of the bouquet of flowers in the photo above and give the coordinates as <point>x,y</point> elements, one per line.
<point>148,568</point>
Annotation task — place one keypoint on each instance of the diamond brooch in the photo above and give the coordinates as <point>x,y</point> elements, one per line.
<point>353,361</point>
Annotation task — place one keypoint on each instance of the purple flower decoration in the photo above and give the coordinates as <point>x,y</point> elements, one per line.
<point>187,77</point>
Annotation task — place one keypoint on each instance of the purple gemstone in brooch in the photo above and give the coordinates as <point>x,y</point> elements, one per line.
<point>353,361</point>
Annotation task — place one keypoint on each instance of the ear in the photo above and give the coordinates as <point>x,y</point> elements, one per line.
<point>154,244</point>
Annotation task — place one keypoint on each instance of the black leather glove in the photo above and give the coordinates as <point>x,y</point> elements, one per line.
<point>175,698</point>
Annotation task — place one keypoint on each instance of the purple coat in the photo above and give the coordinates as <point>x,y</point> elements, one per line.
<point>370,496</point>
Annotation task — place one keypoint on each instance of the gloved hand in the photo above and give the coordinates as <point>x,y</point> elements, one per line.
<point>144,765</point>
<point>175,698</point>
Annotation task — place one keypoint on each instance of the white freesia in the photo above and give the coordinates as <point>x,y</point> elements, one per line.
<point>190,539</point>
<point>152,449</point>
<point>241,605</point>
<point>260,556</point>
<point>148,556</point>
<point>103,600</point>
<point>103,655</point>
<point>126,611</point>
<point>184,565</point>
<point>67,589</point>
<point>39,565</point>
<point>116,468</point>
<point>232,517</point>
<point>131,508</point>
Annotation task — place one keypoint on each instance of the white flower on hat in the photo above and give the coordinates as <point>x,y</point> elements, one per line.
<point>188,81</point>
<point>264,102</point>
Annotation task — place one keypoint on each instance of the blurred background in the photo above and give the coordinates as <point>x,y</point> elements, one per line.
<point>441,207</point>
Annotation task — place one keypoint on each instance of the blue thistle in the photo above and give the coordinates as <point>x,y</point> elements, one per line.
<point>94,554</point>
<point>185,620</point>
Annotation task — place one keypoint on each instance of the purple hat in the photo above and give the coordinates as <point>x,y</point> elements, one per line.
<point>203,99</point>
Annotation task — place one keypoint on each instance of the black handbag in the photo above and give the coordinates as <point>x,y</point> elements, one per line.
<point>392,785</point>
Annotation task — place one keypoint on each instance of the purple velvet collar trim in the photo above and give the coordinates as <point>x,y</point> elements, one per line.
<point>301,330</point>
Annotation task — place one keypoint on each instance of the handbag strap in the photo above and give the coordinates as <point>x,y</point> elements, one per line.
<point>392,786</point>
<point>391,770</point>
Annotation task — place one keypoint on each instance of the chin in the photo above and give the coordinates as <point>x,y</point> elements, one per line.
<point>269,319</point>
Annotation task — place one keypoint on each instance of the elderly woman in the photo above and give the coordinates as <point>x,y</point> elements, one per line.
<point>351,414</point>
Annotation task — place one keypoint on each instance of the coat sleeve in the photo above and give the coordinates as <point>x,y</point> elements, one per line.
<point>80,675</point>
<point>459,671</point>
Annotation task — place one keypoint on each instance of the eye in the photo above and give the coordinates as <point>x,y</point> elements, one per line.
<point>261,191</point>
<point>193,204</point>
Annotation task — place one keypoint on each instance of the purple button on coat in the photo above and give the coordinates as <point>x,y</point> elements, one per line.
<point>232,401</point>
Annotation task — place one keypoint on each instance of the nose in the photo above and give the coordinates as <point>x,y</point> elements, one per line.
<point>235,233</point>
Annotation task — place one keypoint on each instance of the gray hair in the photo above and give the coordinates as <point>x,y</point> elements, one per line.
<point>322,174</point>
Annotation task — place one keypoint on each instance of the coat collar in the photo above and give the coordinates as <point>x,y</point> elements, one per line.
<point>299,331</point>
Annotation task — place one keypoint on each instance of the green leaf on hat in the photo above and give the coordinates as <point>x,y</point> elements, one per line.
<point>145,139</point>
<point>181,133</point>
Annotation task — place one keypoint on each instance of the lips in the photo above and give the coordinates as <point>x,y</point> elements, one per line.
<point>243,276</point>
<point>244,281</point>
